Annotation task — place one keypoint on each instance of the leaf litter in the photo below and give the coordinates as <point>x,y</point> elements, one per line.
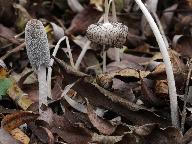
<point>129,103</point>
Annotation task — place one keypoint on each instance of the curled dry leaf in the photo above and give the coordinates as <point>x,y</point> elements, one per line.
<point>152,133</point>
<point>71,102</point>
<point>44,135</point>
<point>58,31</point>
<point>149,97</point>
<point>14,120</point>
<point>6,138</point>
<point>102,139</point>
<point>83,19</point>
<point>128,138</point>
<point>46,117</point>
<point>8,34</point>
<point>105,81</point>
<point>161,88</point>
<point>187,138</point>
<point>183,45</point>
<point>70,133</point>
<point>75,5</point>
<point>20,136</point>
<point>117,66</point>
<point>104,126</point>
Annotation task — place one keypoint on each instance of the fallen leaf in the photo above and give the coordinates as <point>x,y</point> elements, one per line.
<point>44,135</point>
<point>102,139</point>
<point>14,120</point>
<point>149,96</point>
<point>82,20</point>
<point>102,125</point>
<point>6,138</point>
<point>20,136</point>
<point>187,138</point>
<point>70,133</point>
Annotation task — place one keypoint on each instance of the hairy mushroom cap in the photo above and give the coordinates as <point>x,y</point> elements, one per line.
<point>109,34</point>
<point>37,44</point>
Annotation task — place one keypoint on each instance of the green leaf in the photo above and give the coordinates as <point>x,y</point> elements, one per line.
<point>4,86</point>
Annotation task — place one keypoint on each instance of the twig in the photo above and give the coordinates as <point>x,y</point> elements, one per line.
<point>16,49</point>
<point>183,115</point>
<point>70,53</point>
<point>160,28</point>
<point>51,64</point>
<point>82,54</point>
<point>114,15</point>
<point>12,40</point>
<point>104,59</point>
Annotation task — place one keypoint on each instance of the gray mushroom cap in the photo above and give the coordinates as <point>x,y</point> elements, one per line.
<point>37,44</point>
<point>109,34</point>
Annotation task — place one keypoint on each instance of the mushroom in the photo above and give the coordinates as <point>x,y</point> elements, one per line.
<point>108,34</point>
<point>167,62</point>
<point>39,55</point>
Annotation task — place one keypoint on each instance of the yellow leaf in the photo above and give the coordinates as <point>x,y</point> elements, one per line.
<point>97,3</point>
<point>20,136</point>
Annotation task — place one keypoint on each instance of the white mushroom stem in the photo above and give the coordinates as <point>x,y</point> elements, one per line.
<point>43,88</point>
<point>117,55</point>
<point>82,54</point>
<point>117,51</point>
<point>168,66</point>
<point>106,12</point>
<point>70,53</point>
<point>104,60</point>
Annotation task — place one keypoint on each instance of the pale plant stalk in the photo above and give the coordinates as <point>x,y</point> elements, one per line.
<point>114,15</point>
<point>41,73</point>
<point>82,54</point>
<point>160,28</point>
<point>167,62</point>
<point>70,53</point>
<point>49,73</point>
<point>104,60</point>
<point>106,12</point>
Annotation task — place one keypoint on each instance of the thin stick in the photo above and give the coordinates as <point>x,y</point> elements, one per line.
<point>161,29</point>
<point>82,54</point>
<point>106,11</point>
<point>183,115</point>
<point>70,53</point>
<point>167,62</point>
<point>117,55</point>
<point>16,49</point>
<point>20,34</point>
<point>114,15</point>
<point>51,64</point>
<point>43,88</point>
<point>104,59</point>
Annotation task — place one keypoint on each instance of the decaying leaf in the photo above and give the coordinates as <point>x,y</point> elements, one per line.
<point>97,3</point>
<point>20,136</point>
<point>69,132</point>
<point>44,135</point>
<point>6,138</point>
<point>102,125</point>
<point>14,120</point>
<point>83,19</point>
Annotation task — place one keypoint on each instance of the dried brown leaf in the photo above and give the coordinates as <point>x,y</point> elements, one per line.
<point>69,132</point>
<point>104,126</point>
<point>83,19</point>
<point>44,135</point>
<point>14,120</point>
<point>6,138</point>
